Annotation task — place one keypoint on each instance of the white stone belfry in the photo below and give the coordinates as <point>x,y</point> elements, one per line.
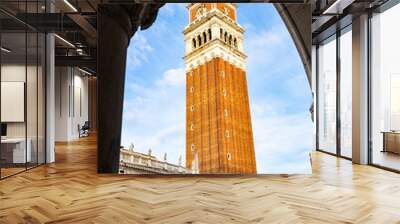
<point>213,33</point>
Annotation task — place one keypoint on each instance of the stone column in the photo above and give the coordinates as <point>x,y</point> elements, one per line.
<point>50,92</point>
<point>92,86</point>
<point>114,32</point>
<point>360,90</point>
<point>50,98</point>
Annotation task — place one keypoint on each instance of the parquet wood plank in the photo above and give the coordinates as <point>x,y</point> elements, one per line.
<point>70,191</point>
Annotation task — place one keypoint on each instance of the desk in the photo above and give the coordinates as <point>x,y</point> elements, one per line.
<point>391,141</point>
<point>13,150</point>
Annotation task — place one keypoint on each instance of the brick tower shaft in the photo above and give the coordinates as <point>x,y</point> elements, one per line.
<point>219,136</point>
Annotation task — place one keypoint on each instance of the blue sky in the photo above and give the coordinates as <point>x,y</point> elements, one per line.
<point>154,105</point>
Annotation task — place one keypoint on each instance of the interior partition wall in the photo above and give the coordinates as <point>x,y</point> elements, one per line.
<point>22,77</point>
<point>71,102</point>
<point>385,88</point>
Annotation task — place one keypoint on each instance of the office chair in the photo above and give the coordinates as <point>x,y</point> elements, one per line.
<point>84,130</point>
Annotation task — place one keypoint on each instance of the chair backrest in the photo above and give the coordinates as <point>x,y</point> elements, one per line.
<point>86,125</point>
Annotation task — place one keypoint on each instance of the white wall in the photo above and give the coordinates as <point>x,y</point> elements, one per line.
<point>71,103</point>
<point>80,110</point>
<point>61,103</point>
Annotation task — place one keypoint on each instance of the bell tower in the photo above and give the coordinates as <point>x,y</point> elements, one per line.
<point>219,136</point>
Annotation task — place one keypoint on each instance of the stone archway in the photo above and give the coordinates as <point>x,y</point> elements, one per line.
<point>116,24</point>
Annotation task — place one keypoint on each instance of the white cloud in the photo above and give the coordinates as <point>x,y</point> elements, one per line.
<point>269,37</point>
<point>282,141</point>
<point>264,45</point>
<point>283,138</point>
<point>155,116</point>
<point>292,84</point>
<point>271,52</point>
<point>173,77</point>
<point>138,50</point>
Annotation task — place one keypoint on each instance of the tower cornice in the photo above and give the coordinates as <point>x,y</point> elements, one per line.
<point>215,49</point>
<point>212,14</point>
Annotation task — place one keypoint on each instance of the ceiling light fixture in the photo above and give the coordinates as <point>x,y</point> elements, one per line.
<point>80,51</point>
<point>84,71</point>
<point>5,50</point>
<point>70,5</point>
<point>337,7</point>
<point>64,40</point>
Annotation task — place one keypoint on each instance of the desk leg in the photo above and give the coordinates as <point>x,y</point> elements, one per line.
<point>384,142</point>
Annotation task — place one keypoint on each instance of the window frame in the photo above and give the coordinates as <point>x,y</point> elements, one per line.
<point>380,9</point>
<point>333,37</point>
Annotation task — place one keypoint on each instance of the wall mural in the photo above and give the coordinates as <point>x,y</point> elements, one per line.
<point>229,106</point>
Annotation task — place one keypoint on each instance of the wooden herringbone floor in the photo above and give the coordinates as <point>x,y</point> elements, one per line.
<point>70,191</point>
